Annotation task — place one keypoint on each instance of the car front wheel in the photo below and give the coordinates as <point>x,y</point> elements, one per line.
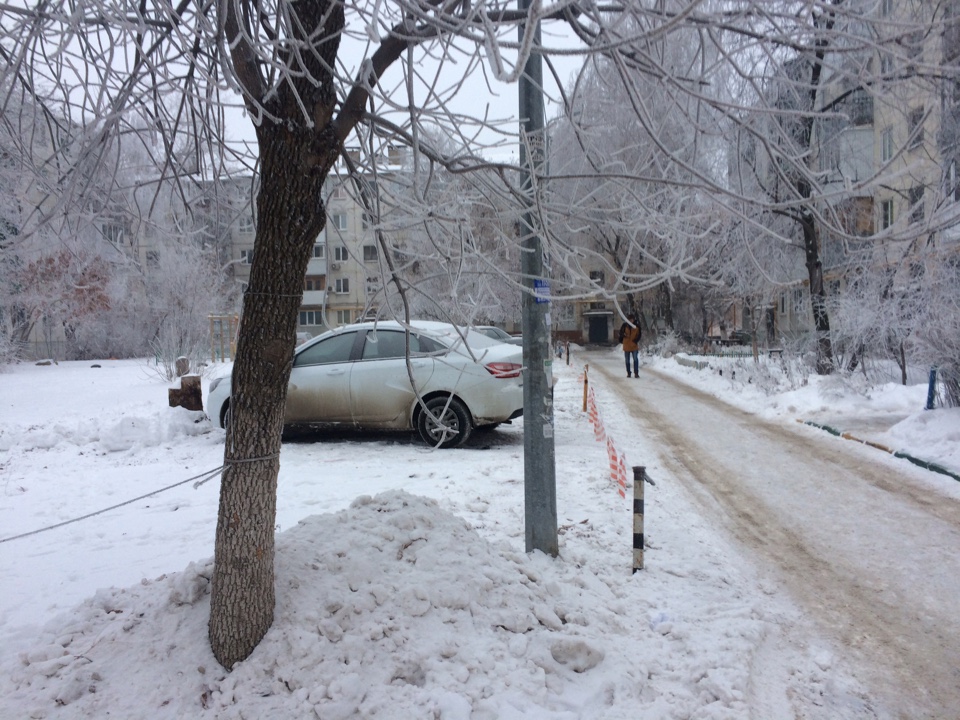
<point>444,423</point>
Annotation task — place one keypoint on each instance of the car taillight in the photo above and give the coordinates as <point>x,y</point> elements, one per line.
<point>504,369</point>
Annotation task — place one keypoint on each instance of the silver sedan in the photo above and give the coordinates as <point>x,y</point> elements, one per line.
<point>492,331</point>
<point>444,384</point>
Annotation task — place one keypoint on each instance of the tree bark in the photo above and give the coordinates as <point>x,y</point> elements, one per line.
<point>296,154</point>
<point>818,294</point>
<point>290,216</point>
<point>808,223</point>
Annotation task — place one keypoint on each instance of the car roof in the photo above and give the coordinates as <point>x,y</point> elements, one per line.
<point>430,327</point>
<point>427,325</point>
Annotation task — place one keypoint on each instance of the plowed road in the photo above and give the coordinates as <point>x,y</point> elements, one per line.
<point>857,539</point>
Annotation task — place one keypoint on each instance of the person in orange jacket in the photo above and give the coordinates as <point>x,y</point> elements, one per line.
<point>630,337</point>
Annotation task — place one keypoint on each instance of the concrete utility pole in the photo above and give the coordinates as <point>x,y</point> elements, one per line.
<point>539,465</point>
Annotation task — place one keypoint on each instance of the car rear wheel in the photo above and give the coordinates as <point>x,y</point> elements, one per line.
<point>444,423</point>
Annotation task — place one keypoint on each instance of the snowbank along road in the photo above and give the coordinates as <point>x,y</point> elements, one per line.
<point>860,541</point>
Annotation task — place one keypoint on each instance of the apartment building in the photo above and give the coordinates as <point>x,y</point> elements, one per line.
<point>343,278</point>
<point>342,283</point>
<point>884,148</point>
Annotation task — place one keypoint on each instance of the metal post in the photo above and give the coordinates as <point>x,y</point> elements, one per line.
<point>586,383</point>
<point>932,388</point>
<point>540,493</point>
<point>639,476</point>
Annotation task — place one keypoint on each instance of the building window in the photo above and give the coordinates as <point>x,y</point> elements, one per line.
<point>319,251</point>
<point>797,301</point>
<point>246,257</point>
<point>153,259</point>
<point>342,286</point>
<point>343,317</point>
<point>315,282</point>
<point>886,145</point>
<point>114,233</point>
<point>597,276</point>
<point>886,8</point>
<point>340,253</point>
<point>246,223</point>
<point>915,127</point>
<point>373,285</point>
<point>915,197</point>
<point>886,214</point>
<point>369,253</point>
<point>830,156</point>
<point>365,221</point>
<point>564,311</point>
<point>311,317</point>
<point>339,221</point>
<point>860,107</point>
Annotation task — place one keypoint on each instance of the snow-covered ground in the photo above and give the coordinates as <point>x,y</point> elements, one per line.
<point>403,587</point>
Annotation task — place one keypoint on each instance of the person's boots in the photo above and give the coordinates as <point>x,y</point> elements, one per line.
<point>628,373</point>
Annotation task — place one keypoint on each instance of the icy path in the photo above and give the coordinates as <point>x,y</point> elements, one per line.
<point>857,540</point>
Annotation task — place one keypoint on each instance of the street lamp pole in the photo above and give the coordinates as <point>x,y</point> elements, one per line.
<point>539,465</point>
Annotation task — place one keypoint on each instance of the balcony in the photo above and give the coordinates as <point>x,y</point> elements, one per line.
<point>317,266</point>
<point>313,297</point>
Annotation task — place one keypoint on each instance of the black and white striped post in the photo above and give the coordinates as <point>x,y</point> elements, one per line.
<point>639,477</point>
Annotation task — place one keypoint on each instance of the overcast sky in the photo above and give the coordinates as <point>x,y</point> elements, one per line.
<point>481,95</point>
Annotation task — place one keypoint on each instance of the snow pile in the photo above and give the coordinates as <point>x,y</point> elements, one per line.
<point>395,608</point>
<point>937,432</point>
<point>390,604</point>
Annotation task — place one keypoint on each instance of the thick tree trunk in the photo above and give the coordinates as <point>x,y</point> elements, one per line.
<point>290,216</point>
<point>665,301</point>
<point>823,21</point>
<point>818,295</point>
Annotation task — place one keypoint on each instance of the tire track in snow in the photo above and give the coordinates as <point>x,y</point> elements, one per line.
<point>867,553</point>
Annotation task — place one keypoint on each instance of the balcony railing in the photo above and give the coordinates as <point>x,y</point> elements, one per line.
<point>314,297</point>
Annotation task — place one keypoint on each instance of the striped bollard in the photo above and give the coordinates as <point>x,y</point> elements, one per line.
<point>586,384</point>
<point>639,475</point>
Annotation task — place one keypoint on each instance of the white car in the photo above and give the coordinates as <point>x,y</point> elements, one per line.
<point>492,331</point>
<point>358,376</point>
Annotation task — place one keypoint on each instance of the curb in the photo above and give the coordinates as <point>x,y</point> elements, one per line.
<point>925,464</point>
